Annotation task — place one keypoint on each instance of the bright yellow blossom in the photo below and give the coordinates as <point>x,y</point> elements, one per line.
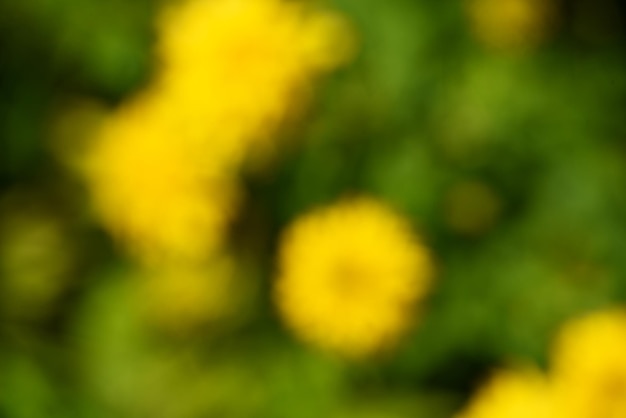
<point>350,276</point>
<point>589,366</point>
<point>163,169</point>
<point>512,394</point>
<point>162,172</point>
<point>152,192</point>
<point>587,376</point>
<point>239,66</point>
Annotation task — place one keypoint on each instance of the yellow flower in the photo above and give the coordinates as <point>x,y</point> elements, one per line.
<point>512,394</point>
<point>350,276</point>
<point>162,171</point>
<point>587,378</point>
<point>589,366</point>
<point>510,24</point>
<point>153,192</point>
<point>240,65</point>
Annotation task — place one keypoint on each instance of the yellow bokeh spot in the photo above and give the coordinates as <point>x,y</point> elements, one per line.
<point>179,298</point>
<point>510,25</point>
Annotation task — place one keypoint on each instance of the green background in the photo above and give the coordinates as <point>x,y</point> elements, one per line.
<point>510,164</point>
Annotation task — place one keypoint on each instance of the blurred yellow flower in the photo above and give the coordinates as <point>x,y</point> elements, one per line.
<point>162,172</point>
<point>152,192</point>
<point>589,366</point>
<point>240,65</point>
<point>349,277</point>
<point>510,25</point>
<point>520,393</point>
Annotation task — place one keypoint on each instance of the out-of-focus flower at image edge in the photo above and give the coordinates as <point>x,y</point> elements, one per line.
<point>350,276</point>
<point>586,378</point>
<point>589,365</point>
<point>240,67</point>
<point>515,393</point>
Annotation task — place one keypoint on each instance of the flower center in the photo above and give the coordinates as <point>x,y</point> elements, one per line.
<point>349,279</point>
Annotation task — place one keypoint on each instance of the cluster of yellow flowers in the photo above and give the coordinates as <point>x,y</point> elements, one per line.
<point>350,276</point>
<point>163,169</point>
<point>240,66</point>
<point>587,378</point>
